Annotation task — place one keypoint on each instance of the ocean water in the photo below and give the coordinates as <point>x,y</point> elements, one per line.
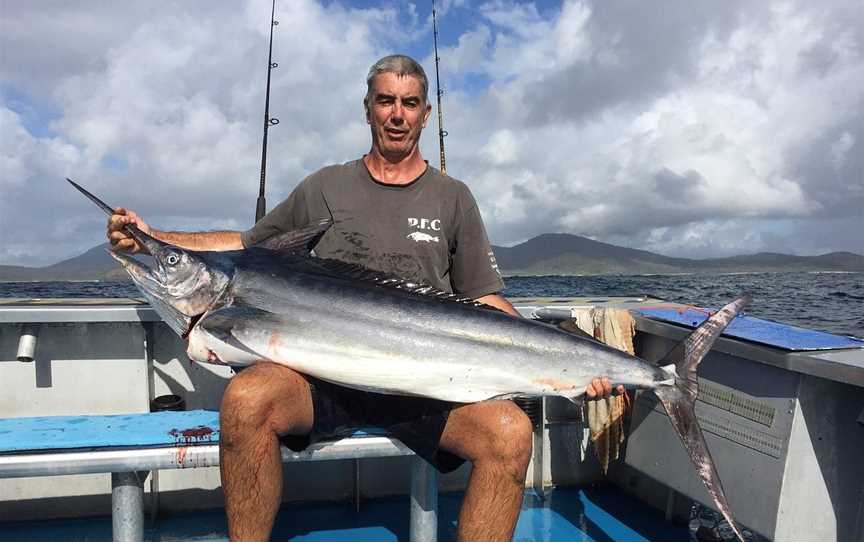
<point>832,302</point>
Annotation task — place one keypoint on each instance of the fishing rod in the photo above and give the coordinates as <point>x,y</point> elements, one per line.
<point>441,132</point>
<point>261,206</point>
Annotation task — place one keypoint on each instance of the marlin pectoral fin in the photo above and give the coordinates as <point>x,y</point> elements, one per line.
<point>228,323</point>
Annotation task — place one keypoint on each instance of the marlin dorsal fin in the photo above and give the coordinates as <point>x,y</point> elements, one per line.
<point>301,240</point>
<point>362,274</point>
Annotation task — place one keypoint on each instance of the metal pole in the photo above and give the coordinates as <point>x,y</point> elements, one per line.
<point>441,132</point>
<point>127,506</point>
<point>261,205</point>
<point>424,501</point>
<point>539,442</point>
<point>357,486</point>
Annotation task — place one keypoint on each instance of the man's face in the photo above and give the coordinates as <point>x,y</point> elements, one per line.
<point>397,112</point>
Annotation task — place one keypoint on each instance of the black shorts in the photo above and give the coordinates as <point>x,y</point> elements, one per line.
<point>416,421</point>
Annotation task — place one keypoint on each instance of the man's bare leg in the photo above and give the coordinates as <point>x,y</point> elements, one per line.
<point>496,437</point>
<point>261,403</point>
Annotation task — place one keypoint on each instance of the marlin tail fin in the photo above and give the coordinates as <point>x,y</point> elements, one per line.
<point>680,399</point>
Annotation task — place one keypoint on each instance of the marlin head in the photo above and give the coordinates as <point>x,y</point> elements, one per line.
<point>181,285</point>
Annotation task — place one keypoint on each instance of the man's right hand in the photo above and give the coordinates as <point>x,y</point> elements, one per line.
<point>120,240</point>
<point>601,388</point>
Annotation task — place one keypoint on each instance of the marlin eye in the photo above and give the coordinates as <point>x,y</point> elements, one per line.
<point>172,259</point>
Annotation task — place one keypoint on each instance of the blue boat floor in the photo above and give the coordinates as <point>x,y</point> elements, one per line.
<point>588,515</point>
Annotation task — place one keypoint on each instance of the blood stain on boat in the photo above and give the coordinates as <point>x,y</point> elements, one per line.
<point>193,434</point>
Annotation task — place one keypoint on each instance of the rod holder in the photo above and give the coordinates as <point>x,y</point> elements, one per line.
<point>27,343</point>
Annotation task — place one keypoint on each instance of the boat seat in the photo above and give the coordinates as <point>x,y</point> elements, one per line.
<point>130,445</point>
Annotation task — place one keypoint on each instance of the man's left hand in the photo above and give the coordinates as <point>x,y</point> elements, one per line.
<point>601,388</point>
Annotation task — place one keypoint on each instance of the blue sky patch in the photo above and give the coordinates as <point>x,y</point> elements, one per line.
<point>35,117</point>
<point>114,162</point>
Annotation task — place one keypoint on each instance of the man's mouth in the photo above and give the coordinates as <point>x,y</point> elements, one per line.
<point>395,134</point>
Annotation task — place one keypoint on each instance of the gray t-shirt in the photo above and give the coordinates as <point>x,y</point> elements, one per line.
<point>429,230</point>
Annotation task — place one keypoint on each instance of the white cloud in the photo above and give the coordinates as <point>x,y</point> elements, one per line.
<point>175,104</point>
<point>700,144</point>
<point>701,129</point>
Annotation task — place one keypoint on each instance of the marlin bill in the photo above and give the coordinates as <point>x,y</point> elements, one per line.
<point>363,329</point>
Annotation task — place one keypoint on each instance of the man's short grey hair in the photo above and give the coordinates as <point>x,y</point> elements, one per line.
<point>400,65</point>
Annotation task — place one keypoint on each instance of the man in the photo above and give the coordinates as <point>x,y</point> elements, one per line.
<point>393,213</point>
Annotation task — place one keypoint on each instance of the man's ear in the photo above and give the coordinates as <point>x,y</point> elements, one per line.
<point>366,109</point>
<point>426,116</point>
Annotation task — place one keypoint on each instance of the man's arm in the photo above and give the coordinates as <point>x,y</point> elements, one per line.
<point>303,206</point>
<point>498,301</point>
<point>206,240</point>
<point>123,242</point>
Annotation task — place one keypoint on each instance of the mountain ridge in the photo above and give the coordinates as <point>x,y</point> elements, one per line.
<point>568,254</point>
<point>546,254</point>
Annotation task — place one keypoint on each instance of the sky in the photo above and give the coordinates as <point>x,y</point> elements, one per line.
<point>691,128</point>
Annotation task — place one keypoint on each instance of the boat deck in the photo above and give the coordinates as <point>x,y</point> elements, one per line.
<point>602,514</point>
<point>764,400</point>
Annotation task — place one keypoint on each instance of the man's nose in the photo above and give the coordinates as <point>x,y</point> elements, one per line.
<point>397,115</point>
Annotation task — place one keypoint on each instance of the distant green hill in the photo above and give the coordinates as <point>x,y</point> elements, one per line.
<point>95,264</point>
<point>547,254</point>
<point>565,254</point>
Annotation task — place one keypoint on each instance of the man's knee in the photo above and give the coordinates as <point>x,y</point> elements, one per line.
<point>514,433</point>
<point>246,395</point>
<point>265,396</point>
<point>507,433</point>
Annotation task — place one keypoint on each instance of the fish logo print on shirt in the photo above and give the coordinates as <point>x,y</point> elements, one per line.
<point>424,224</point>
<point>420,237</point>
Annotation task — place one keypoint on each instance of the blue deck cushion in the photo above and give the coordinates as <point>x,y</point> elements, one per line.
<point>49,433</point>
<point>758,330</point>
<point>55,433</point>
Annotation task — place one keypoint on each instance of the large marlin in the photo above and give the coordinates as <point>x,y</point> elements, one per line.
<point>363,329</point>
